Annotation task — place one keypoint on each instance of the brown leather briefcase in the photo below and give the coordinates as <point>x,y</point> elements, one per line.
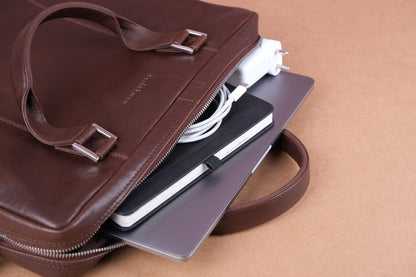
<point>92,100</point>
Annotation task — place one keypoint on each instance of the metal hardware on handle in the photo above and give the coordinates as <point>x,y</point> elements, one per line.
<point>127,31</point>
<point>103,150</point>
<point>85,152</point>
<point>178,45</point>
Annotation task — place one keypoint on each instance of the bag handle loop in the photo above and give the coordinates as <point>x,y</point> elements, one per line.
<point>133,36</point>
<point>259,211</point>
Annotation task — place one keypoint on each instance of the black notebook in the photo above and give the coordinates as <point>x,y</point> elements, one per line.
<point>187,163</point>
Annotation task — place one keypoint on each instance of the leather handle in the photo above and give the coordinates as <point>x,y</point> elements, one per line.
<point>133,36</point>
<point>259,211</point>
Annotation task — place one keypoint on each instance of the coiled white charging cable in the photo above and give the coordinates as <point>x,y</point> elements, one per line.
<point>266,59</point>
<point>207,127</point>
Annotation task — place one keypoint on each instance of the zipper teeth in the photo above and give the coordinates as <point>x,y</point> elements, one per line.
<point>184,130</point>
<point>197,116</point>
<point>61,254</point>
<point>45,251</point>
<point>87,252</point>
<point>65,253</point>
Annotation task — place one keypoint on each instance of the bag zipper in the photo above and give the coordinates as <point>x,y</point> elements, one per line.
<point>212,97</point>
<point>177,139</point>
<point>69,253</point>
<point>62,253</point>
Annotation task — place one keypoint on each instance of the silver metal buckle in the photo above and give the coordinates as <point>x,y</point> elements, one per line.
<point>103,149</point>
<point>178,45</point>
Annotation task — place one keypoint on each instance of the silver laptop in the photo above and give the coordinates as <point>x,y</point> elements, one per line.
<point>177,230</point>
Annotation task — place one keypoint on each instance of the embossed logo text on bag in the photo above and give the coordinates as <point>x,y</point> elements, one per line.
<point>138,89</point>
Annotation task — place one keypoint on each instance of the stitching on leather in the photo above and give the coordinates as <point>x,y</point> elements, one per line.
<point>134,178</point>
<point>14,124</point>
<point>75,21</point>
<point>25,71</point>
<point>117,27</point>
<point>293,186</point>
<point>23,128</point>
<point>219,68</point>
<point>119,155</point>
<point>115,203</point>
<point>27,90</point>
<point>275,198</point>
<point>39,5</point>
<point>23,59</point>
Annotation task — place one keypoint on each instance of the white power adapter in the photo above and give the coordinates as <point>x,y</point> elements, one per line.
<point>266,59</point>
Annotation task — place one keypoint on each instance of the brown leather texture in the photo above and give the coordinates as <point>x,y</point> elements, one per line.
<point>236,218</point>
<point>134,37</point>
<point>358,217</point>
<point>81,75</point>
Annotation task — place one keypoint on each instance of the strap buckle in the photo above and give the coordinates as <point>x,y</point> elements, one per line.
<point>102,150</point>
<point>201,38</point>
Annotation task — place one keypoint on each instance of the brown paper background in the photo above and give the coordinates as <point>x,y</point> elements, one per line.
<point>358,217</point>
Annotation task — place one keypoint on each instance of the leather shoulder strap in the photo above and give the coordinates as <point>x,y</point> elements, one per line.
<point>133,36</point>
<point>264,209</point>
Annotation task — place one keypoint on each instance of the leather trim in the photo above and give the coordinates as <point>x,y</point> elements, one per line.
<point>259,211</point>
<point>92,193</point>
<point>134,37</point>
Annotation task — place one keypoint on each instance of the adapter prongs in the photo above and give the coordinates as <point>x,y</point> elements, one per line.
<point>282,52</point>
<point>283,67</point>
